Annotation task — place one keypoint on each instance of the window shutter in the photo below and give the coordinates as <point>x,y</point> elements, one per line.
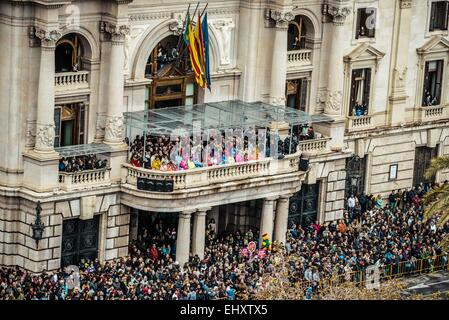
<point>372,17</point>
<point>445,14</point>
<point>439,81</point>
<point>425,84</point>
<point>367,88</point>
<point>359,22</point>
<point>353,92</point>
<point>432,16</point>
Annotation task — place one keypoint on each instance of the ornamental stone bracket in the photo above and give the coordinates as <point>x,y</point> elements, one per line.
<point>336,14</point>
<point>406,4</point>
<point>42,37</point>
<point>278,19</point>
<point>177,26</point>
<point>113,32</point>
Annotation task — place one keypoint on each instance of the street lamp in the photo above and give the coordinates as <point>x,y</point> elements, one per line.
<point>38,225</point>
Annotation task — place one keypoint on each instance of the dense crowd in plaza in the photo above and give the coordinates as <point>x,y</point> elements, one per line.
<point>81,163</point>
<point>158,153</point>
<point>369,233</point>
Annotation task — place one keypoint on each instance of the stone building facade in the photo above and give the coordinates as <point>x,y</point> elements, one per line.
<point>376,67</point>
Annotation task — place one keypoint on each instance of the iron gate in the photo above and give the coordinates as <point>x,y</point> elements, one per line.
<point>79,240</point>
<point>303,206</point>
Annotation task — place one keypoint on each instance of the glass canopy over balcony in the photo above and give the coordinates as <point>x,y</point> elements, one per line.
<point>217,115</point>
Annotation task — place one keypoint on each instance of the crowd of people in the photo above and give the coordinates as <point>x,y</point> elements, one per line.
<point>81,163</point>
<point>156,152</point>
<point>366,235</point>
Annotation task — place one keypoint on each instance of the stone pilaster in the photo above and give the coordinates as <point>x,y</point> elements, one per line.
<point>401,33</point>
<point>279,20</point>
<point>45,126</point>
<point>336,14</point>
<point>114,126</point>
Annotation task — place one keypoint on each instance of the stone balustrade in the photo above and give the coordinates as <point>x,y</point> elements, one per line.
<point>299,58</point>
<point>314,145</point>
<point>87,179</point>
<point>432,113</point>
<point>360,123</point>
<point>69,81</point>
<point>201,177</point>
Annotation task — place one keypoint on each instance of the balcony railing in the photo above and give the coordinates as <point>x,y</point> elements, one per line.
<point>360,123</point>
<point>69,81</point>
<point>185,179</point>
<point>314,145</point>
<point>432,113</point>
<point>69,181</point>
<point>299,58</point>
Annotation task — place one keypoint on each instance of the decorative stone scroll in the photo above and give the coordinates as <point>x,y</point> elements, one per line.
<point>116,33</point>
<point>338,14</point>
<point>46,38</point>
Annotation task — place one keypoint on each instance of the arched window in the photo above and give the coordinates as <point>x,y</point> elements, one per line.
<point>297,32</point>
<point>69,53</point>
<point>173,80</point>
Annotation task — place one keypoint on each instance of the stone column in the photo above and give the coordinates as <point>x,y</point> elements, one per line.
<point>279,61</point>
<point>281,222</point>
<point>45,124</point>
<point>334,95</point>
<point>114,127</point>
<point>398,70</point>
<point>266,220</point>
<point>183,237</point>
<point>199,232</point>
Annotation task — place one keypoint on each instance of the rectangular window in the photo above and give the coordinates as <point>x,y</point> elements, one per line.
<point>433,78</point>
<point>439,15</point>
<point>360,92</point>
<point>366,23</point>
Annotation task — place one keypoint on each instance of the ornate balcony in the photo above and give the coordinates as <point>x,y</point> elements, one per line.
<point>215,175</point>
<point>360,123</point>
<point>299,58</point>
<point>432,113</point>
<point>88,179</point>
<point>71,81</point>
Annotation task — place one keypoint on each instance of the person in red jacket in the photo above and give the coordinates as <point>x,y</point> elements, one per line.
<point>154,253</point>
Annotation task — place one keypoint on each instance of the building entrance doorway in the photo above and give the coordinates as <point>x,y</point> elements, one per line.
<point>79,240</point>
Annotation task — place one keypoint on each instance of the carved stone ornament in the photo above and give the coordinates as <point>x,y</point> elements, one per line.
<point>115,32</point>
<point>100,126</point>
<point>176,27</point>
<point>115,128</point>
<point>333,102</point>
<point>278,19</point>
<point>45,136</point>
<point>47,38</point>
<point>277,101</point>
<point>30,133</point>
<point>223,29</point>
<point>400,77</point>
<point>406,4</point>
<point>337,13</point>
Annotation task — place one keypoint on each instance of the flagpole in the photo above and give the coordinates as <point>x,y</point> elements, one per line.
<point>183,27</point>
<point>182,50</point>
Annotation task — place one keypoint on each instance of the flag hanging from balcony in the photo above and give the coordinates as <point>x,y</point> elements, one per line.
<point>185,36</point>
<point>195,53</point>
<point>205,34</point>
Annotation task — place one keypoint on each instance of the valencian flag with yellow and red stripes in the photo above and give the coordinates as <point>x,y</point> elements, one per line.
<point>197,40</point>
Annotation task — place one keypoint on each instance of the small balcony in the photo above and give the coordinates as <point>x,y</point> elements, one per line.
<point>358,123</point>
<point>81,180</point>
<point>71,81</point>
<point>314,145</point>
<point>432,113</point>
<point>297,59</point>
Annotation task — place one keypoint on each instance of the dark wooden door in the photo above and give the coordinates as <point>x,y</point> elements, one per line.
<point>79,240</point>
<point>303,207</point>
